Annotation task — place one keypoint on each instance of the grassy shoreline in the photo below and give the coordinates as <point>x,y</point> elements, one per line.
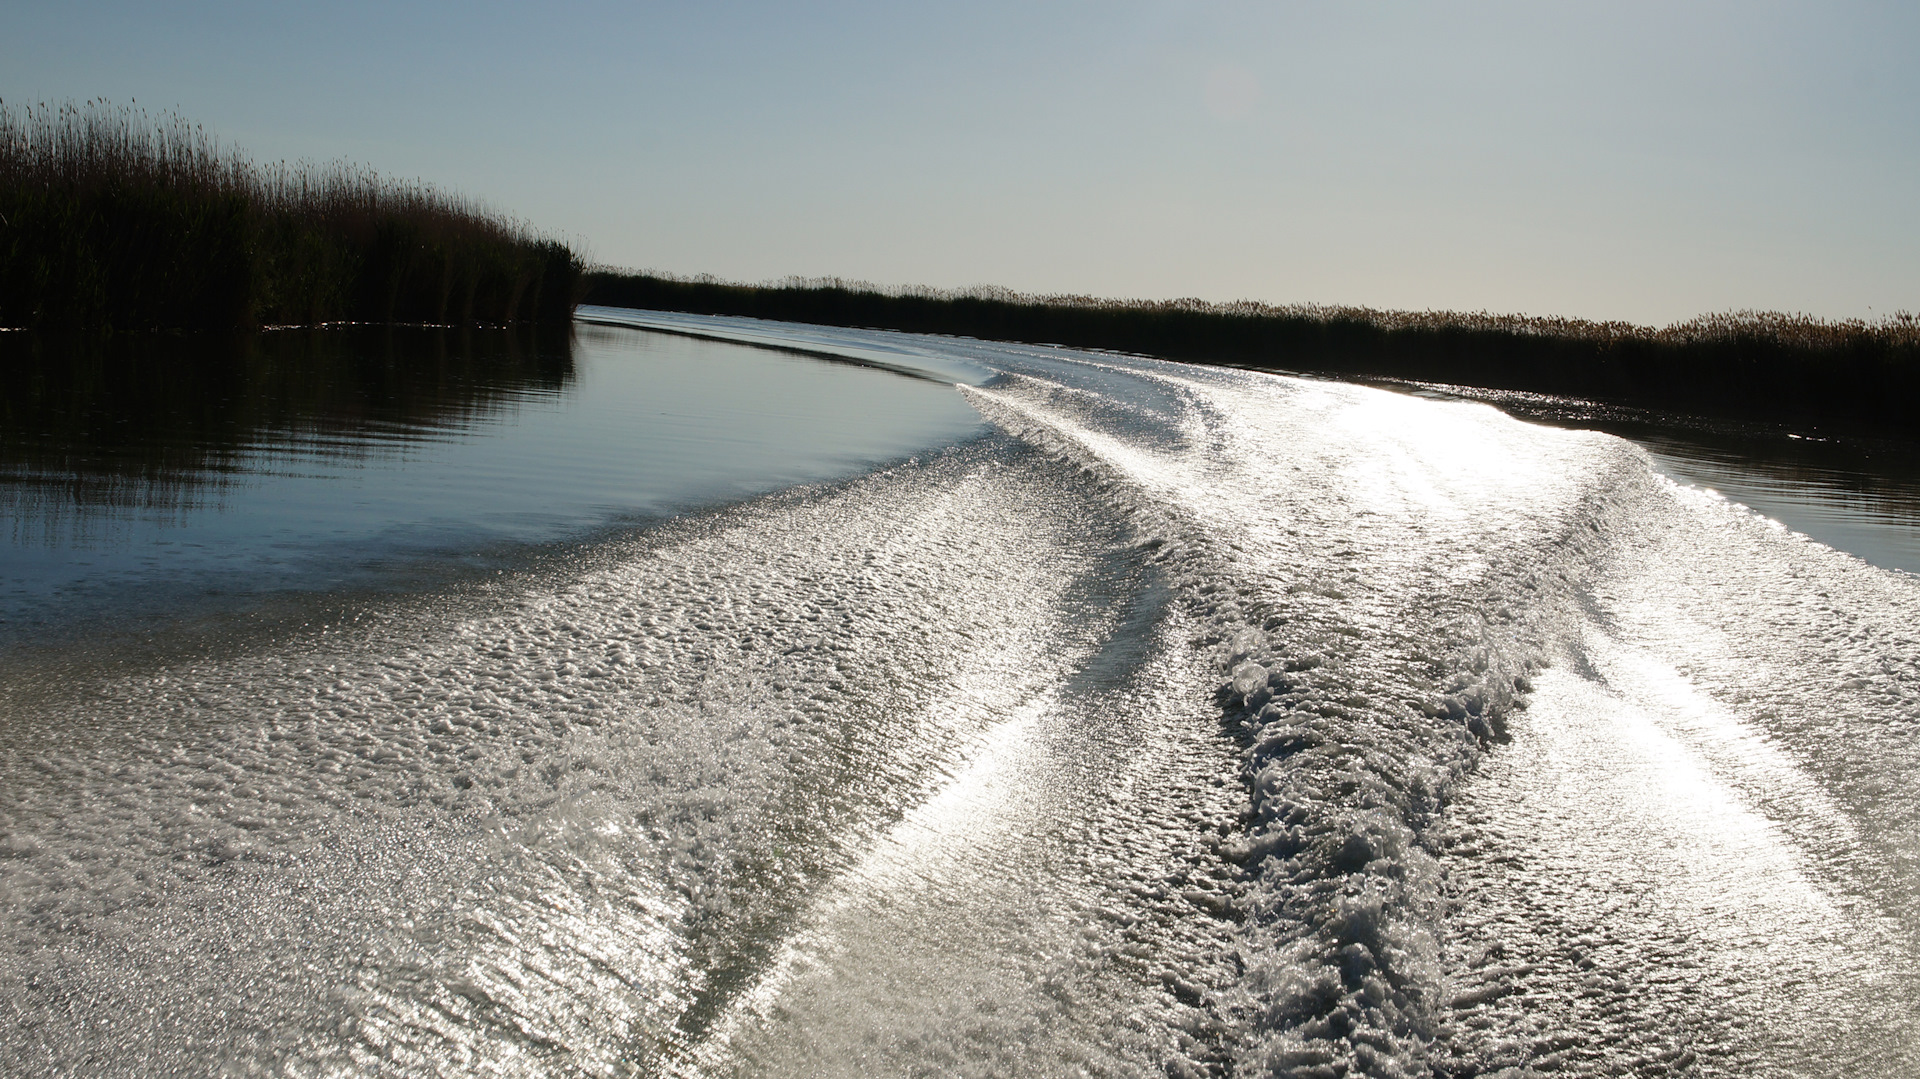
<point>1743,363</point>
<point>113,220</point>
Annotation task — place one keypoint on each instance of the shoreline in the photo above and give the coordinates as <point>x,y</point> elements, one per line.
<point>1755,365</point>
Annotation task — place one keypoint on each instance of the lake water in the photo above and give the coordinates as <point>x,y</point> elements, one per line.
<point>146,482</point>
<point>1857,490</point>
<point>691,696</point>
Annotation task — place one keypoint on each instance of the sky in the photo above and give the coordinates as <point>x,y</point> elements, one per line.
<point>1621,160</point>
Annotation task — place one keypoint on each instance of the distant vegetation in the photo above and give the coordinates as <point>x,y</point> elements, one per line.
<point>113,220</point>
<point>1749,363</point>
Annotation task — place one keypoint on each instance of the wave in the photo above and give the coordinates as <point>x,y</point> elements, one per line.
<point>1194,721</point>
<point>1379,609</point>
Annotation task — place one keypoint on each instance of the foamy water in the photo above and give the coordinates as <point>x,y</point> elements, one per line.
<point>1187,722</point>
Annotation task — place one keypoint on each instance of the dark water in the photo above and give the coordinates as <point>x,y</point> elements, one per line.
<point>1855,490</point>
<point>143,481</point>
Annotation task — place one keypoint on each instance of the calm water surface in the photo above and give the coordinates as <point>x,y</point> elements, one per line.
<point>164,478</point>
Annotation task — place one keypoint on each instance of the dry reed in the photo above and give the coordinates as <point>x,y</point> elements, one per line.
<point>1745,362</point>
<point>111,218</point>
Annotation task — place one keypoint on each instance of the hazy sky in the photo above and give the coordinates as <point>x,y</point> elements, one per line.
<point>1647,161</point>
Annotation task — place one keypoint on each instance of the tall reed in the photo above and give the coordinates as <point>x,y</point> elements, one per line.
<point>1744,362</point>
<point>111,218</point>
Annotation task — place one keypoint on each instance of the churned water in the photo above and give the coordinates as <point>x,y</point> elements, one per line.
<point>1856,489</point>
<point>1132,719</point>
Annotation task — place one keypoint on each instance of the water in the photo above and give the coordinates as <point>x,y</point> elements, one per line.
<point>1129,719</point>
<point>1854,490</point>
<point>147,480</point>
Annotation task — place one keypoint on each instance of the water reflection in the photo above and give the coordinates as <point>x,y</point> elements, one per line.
<point>95,429</point>
<point>147,481</point>
<point>1855,489</point>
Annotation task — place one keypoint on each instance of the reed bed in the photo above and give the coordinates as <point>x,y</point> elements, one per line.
<point>113,219</point>
<point>1749,363</point>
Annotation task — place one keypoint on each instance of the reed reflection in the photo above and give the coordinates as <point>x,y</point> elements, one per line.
<point>153,426</point>
<point>1852,486</point>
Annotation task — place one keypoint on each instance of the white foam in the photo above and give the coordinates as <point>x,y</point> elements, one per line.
<point>919,773</point>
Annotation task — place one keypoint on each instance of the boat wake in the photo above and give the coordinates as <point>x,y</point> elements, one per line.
<point>1190,722</point>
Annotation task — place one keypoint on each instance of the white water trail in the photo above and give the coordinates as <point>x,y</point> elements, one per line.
<point>1198,722</point>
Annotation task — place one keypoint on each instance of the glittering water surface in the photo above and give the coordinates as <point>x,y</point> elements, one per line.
<point>1852,488</point>
<point>1175,721</point>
